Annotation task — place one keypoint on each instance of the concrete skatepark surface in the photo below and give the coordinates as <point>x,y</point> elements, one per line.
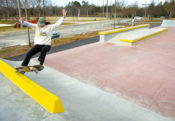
<point>101,82</point>
<point>141,74</point>
<point>82,102</point>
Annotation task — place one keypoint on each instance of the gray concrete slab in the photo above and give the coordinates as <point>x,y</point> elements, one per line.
<point>82,101</point>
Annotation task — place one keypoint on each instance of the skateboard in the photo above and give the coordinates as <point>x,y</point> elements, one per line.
<point>34,68</point>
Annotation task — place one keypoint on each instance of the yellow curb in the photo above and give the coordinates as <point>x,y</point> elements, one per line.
<point>123,29</point>
<point>46,99</point>
<point>132,41</point>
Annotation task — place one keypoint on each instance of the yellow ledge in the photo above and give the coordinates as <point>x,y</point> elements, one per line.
<point>46,99</point>
<point>123,29</point>
<point>132,41</point>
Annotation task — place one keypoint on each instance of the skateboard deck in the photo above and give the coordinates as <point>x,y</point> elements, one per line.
<point>34,68</point>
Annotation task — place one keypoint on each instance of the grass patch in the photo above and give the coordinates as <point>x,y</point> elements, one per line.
<point>7,22</point>
<point>19,50</point>
<point>13,51</point>
<point>61,41</point>
<point>11,28</point>
<point>67,23</point>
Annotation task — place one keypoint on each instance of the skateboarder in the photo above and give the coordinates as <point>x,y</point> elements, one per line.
<point>42,39</point>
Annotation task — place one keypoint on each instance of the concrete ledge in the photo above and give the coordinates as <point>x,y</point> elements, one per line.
<point>46,99</point>
<point>142,37</point>
<point>123,29</point>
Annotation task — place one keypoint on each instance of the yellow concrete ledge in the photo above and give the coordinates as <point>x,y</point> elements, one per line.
<point>123,29</point>
<point>135,40</point>
<point>46,99</point>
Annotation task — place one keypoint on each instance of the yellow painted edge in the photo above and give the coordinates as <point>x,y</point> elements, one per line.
<point>132,41</point>
<point>46,99</point>
<point>123,29</point>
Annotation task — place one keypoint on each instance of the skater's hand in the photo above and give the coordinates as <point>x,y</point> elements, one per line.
<point>64,12</point>
<point>21,20</point>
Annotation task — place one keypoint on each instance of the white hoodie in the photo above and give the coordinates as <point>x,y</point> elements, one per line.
<point>43,34</point>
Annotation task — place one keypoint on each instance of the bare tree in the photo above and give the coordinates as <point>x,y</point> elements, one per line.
<point>85,8</point>
<point>133,8</point>
<point>170,7</point>
<point>8,13</point>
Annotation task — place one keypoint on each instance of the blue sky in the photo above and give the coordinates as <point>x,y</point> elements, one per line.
<point>100,2</point>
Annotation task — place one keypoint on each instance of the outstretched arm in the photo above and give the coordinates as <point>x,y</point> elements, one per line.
<point>60,21</point>
<point>27,23</point>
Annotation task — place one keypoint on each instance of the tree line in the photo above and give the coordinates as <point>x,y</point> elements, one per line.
<point>37,8</point>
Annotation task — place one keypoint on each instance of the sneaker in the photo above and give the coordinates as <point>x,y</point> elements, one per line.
<point>41,67</point>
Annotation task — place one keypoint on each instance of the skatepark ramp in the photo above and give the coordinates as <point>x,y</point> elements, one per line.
<point>125,37</point>
<point>168,23</point>
<point>46,99</point>
<point>107,35</point>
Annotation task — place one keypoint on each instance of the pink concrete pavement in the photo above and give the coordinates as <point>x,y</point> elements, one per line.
<point>144,73</point>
